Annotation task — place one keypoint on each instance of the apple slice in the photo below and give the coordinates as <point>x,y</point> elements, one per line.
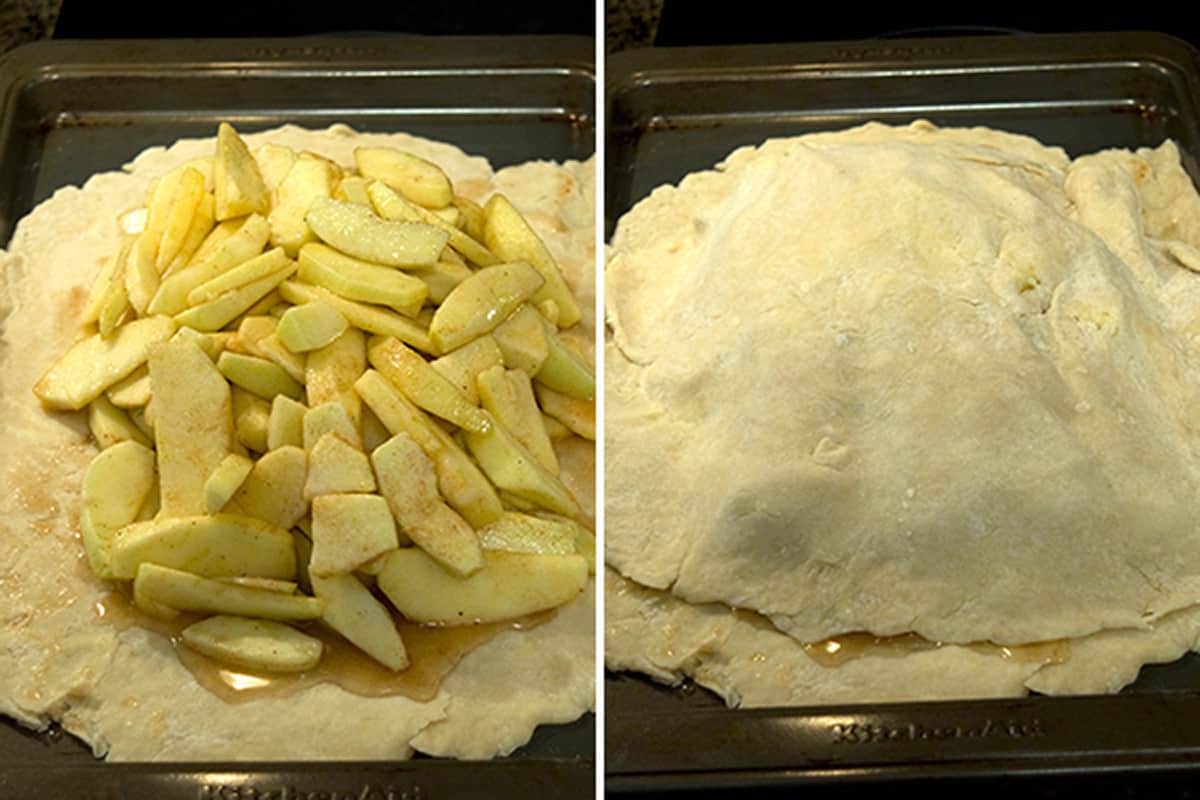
<point>240,245</point>
<point>424,385</point>
<point>193,424</point>
<point>184,591</point>
<point>372,319</point>
<point>274,489</point>
<point>309,179</point>
<point>131,391</point>
<point>111,425</point>
<point>337,467</point>
<point>409,484</point>
<point>259,376</point>
<point>390,205</point>
<point>421,181</point>
<point>564,371</point>
<point>225,480</point>
<point>509,585</point>
<point>112,271</point>
<point>274,163</point>
<point>510,237</point>
<point>185,206</point>
<point>256,644</point>
<point>115,486</point>
<point>285,426</point>
<point>330,372</point>
<point>327,418</point>
<point>310,326</point>
<point>508,396</point>
<point>211,546</point>
<point>141,276</point>
<point>352,611</point>
<point>95,363</point>
<point>251,417</point>
<point>349,530</point>
<point>243,274</point>
<point>218,313</point>
<point>355,279</point>
<point>462,366</point>
<point>359,232</point>
<point>511,467</point>
<point>481,302</point>
<point>459,480</point>
<point>578,415</point>
<point>523,533</point>
<point>238,185</point>
<point>523,339</point>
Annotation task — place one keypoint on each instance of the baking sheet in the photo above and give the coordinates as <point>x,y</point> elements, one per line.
<point>71,109</point>
<point>673,111</point>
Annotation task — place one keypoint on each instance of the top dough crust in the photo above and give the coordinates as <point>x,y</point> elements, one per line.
<point>911,379</point>
<point>124,691</point>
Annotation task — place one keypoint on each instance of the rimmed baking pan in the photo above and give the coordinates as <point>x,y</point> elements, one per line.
<point>674,111</point>
<point>71,109</point>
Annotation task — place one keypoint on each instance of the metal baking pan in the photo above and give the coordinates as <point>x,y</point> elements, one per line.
<point>673,111</point>
<point>71,109</point>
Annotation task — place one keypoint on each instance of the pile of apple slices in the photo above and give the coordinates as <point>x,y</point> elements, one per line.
<point>316,389</point>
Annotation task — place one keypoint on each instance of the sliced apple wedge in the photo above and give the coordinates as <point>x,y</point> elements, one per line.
<point>184,591</point>
<point>564,371</point>
<point>193,424</point>
<point>348,530</point>
<point>217,313</point>
<point>424,385</point>
<point>481,302</point>
<point>508,396</point>
<point>328,418</point>
<point>510,237</point>
<point>111,425</point>
<point>510,585</point>
<point>254,644</point>
<point>524,533</point>
<point>95,363</point>
<point>243,274</point>
<point>274,489</point>
<point>511,467</point>
<point>420,180</point>
<point>225,480</point>
<point>578,415</point>
<point>285,426</point>
<point>310,326</point>
<point>372,319</point>
<point>237,182</point>
<point>462,366</point>
<point>258,376</point>
<point>409,484</point>
<point>355,279</point>
<point>459,480</point>
<point>523,339</point>
<point>211,546</point>
<point>185,206</point>
<point>352,611</point>
<point>331,370</point>
<point>337,467</point>
<point>115,486</point>
<point>361,233</point>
